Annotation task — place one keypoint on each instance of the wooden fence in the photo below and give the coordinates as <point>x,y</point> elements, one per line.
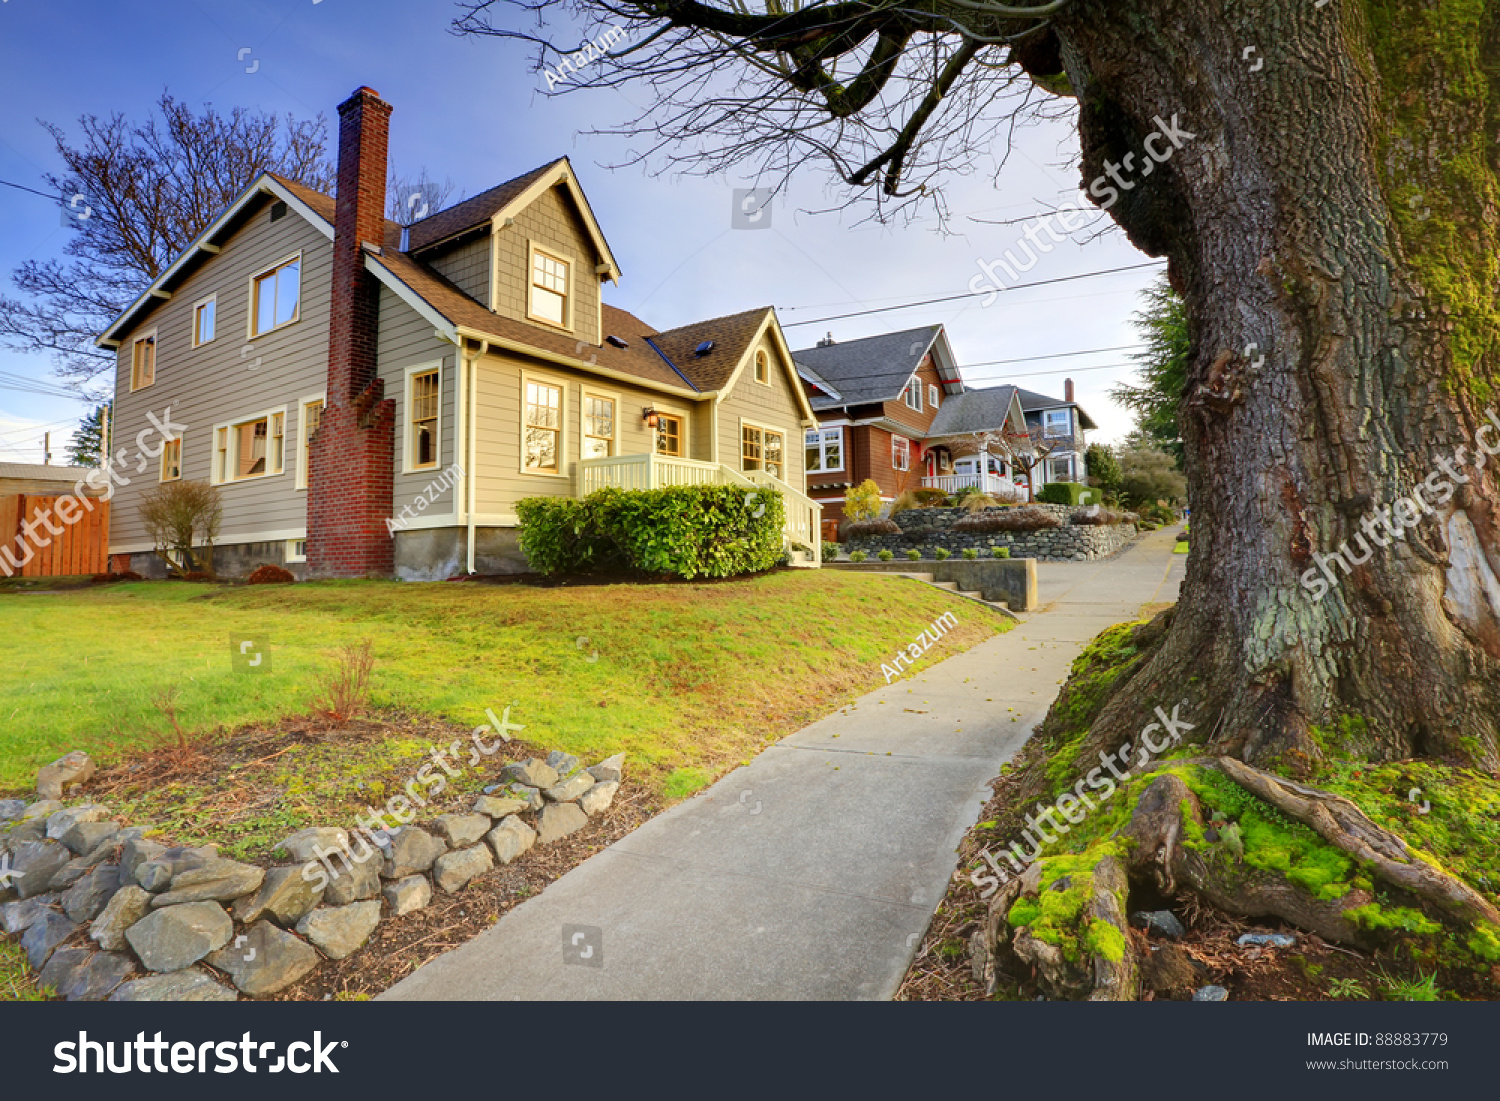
<point>80,549</point>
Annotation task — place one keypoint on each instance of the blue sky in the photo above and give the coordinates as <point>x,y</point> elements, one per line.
<point>473,110</point>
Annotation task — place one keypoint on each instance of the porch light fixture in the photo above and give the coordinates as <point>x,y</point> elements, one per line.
<point>648,414</point>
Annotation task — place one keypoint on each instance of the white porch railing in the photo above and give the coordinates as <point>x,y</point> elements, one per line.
<point>995,485</point>
<point>800,531</point>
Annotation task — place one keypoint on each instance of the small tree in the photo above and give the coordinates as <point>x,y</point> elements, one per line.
<point>1149,474</point>
<point>87,446</point>
<point>180,515</point>
<point>1104,470</point>
<point>862,502</point>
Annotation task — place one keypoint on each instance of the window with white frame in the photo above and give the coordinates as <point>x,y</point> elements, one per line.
<point>598,426</point>
<point>276,297</point>
<point>204,318</point>
<point>932,395</point>
<point>913,395</point>
<point>250,449</point>
<point>171,460</point>
<point>310,417</point>
<point>422,423</point>
<point>542,428</point>
<point>549,288</point>
<point>296,550</point>
<point>825,449</point>
<point>900,453</point>
<point>1060,470</point>
<point>1058,422</point>
<point>143,361</point>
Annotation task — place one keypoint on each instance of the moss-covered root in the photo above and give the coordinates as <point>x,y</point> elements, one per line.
<point>1063,920</point>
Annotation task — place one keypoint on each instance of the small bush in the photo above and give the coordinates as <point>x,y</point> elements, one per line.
<point>1067,493</point>
<point>923,497</point>
<point>941,553</point>
<point>858,556</point>
<point>862,502</point>
<point>268,575</point>
<point>913,555</point>
<point>1097,516</point>
<point>1011,519</point>
<point>197,575</point>
<point>971,553</point>
<point>830,551</point>
<point>880,526</point>
<point>346,690</point>
<point>107,578</point>
<point>885,556</point>
<point>1000,552</point>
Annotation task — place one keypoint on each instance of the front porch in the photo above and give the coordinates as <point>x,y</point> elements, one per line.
<point>996,485</point>
<point>800,533</point>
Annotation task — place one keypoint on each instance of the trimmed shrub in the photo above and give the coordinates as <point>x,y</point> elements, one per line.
<point>106,578</point>
<point>1097,516</point>
<point>941,553</point>
<point>885,556</point>
<point>880,526</point>
<point>858,556</point>
<point>971,553</point>
<point>913,555</point>
<point>830,551</point>
<point>688,531</point>
<point>1067,493</point>
<point>1000,552</point>
<point>1011,519</point>
<point>266,575</point>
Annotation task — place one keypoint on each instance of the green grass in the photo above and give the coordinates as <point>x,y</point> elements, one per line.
<point>686,676</point>
<point>17,981</point>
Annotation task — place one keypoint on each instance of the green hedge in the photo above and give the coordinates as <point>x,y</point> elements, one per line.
<point>1067,493</point>
<point>690,531</point>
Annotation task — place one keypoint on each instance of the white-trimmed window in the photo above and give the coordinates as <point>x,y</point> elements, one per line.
<point>423,394</point>
<point>205,316</point>
<point>541,426</point>
<point>598,426</point>
<point>1060,470</point>
<point>549,289</point>
<point>932,395</point>
<point>1057,422</point>
<point>825,449</point>
<point>913,395</point>
<point>143,361</point>
<point>669,433</point>
<point>900,453</point>
<point>296,550</point>
<point>762,449</point>
<point>763,368</point>
<point>309,416</point>
<point>276,296</point>
<point>171,460</point>
<point>249,449</point>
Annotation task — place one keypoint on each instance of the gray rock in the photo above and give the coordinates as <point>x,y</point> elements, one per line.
<point>533,772</point>
<point>62,821</point>
<point>179,936</point>
<point>498,807</point>
<point>563,763</point>
<point>532,797</point>
<point>29,829</point>
<point>609,770</point>
<point>356,881</point>
<point>129,904</point>
<point>17,917</point>
<point>340,931</point>
<point>70,873</point>
<point>308,844</point>
<point>463,830</point>
<point>157,873</point>
<point>72,768</point>
<point>408,895</point>
<point>1210,994</point>
<point>453,871</point>
<point>217,881</point>
<point>412,850</point>
<point>35,863</point>
<point>598,798</point>
<point>135,852</point>
<point>1267,940</point>
<point>265,960</point>
<point>87,837</point>
<point>44,934</point>
<point>285,897</point>
<point>43,809</point>
<point>1158,921</point>
<point>570,789</point>
<point>510,839</point>
<point>84,976</point>
<point>558,820</point>
<point>11,810</point>
<point>88,897</point>
<point>179,986</point>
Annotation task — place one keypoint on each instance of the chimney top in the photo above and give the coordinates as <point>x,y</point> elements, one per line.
<point>1067,389</point>
<point>826,341</point>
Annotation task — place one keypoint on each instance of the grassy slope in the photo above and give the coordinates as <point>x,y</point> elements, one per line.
<point>687,674</point>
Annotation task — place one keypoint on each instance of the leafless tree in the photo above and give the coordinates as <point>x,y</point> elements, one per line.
<point>179,517</point>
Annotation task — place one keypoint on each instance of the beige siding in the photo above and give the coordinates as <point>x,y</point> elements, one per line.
<point>772,406</point>
<point>407,340</point>
<point>501,483</point>
<point>467,267</point>
<point>550,222</point>
<point>230,378</point>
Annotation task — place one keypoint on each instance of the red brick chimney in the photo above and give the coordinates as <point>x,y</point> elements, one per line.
<point>1067,389</point>
<point>352,455</point>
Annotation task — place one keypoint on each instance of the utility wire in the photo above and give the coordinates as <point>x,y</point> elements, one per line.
<point>1056,355</point>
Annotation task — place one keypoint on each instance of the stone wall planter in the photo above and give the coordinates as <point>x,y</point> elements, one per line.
<point>926,529</point>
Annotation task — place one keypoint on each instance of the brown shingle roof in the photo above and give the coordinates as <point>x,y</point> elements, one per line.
<point>731,336</point>
<point>473,212</point>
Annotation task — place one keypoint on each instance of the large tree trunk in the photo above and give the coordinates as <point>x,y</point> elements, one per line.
<point>1332,225</point>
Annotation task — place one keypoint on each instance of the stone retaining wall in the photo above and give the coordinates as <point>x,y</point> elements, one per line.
<point>926,529</point>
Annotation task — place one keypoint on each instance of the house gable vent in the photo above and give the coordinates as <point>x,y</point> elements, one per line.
<point>278,210</point>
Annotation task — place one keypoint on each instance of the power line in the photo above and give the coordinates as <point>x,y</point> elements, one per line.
<point>1056,355</point>
<point>967,294</point>
<point>1068,371</point>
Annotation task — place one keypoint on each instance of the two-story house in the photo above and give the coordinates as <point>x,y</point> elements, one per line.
<point>1061,426</point>
<point>373,401</point>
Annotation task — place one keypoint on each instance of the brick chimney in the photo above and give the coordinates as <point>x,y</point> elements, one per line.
<point>1067,389</point>
<point>352,455</point>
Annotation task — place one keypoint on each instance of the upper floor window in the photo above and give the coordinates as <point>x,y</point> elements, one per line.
<point>204,315</point>
<point>932,395</point>
<point>825,449</point>
<point>549,288</point>
<point>900,453</point>
<point>913,395</point>
<point>668,434</point>
<point>762,368</point>
<point>424,420</point>
<point>543,428</point>
<point>143,362</point>
<point>1058,422</point>
<point>276,297</point>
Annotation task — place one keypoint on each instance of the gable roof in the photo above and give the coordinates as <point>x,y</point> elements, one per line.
<point>42,472</point>
<point>1033,402</point>
<point>976,411</point>
<point>877,368</point>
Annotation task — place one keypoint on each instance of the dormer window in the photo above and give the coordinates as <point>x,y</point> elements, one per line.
<point>549,289</point>
<point>1057,422</point>
<point>913,395</point>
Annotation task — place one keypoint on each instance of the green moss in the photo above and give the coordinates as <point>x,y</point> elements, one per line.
<point>1054,916</point>
<point>1091,682</point>
<point>1105,940</point>
<point>1398,919</point>
<point>1484,942</point>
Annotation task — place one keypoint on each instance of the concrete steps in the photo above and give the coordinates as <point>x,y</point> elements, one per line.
<point>952,587</point>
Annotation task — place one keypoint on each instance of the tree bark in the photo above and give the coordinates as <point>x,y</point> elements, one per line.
<point>1332,225</point>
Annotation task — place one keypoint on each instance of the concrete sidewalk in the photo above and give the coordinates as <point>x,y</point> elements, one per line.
<point>812,872</point>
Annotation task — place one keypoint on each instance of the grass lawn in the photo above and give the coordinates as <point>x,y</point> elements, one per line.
<point>687,679</point>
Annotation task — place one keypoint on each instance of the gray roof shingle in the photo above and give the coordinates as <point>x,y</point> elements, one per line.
<point>875,368</point>
<point>973,411</point>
